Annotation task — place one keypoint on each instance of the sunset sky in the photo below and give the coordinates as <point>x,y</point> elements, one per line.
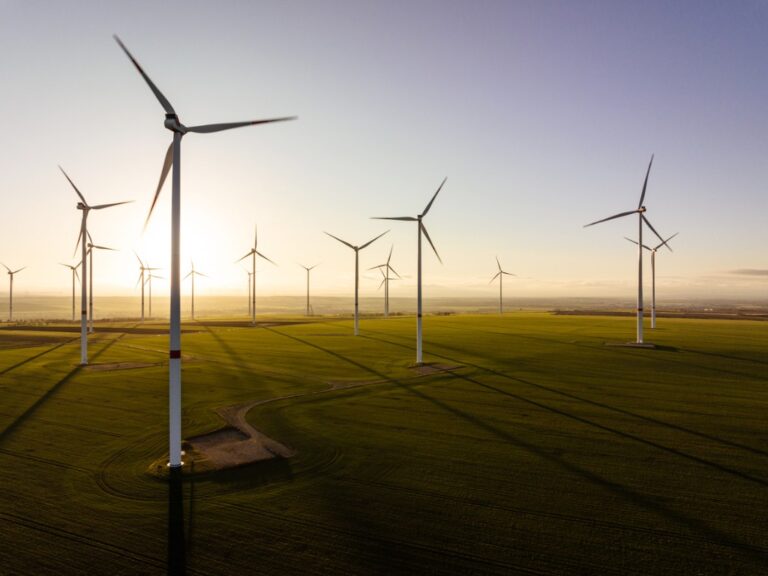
<point>542,115</point>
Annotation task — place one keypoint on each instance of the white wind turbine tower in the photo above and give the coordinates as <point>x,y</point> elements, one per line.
<point>143,280</point>
<point>173,158</point>
<point>74,275</point>
<point>253,252</point>
<point>385,269</point>
<point>640,211</point>
<point>500,275</point>
<point>194,273</point>
<point>11,274</point>
<point>653,272</point>
<point>421,229</point>
<point>91,248</point>
<point>357,272</point>
<point>82,241</point>
<point>149,283</point>
<point>308,269</point>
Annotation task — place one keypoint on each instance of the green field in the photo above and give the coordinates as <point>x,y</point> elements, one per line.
<point>546,452</point>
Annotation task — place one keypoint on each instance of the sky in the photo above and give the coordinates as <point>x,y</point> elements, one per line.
<point>542,115</point>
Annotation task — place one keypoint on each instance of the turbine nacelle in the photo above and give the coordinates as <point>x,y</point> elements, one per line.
<point>641,209</point>
<point>173,124</point>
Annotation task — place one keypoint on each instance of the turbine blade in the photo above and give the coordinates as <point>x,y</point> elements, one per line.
<point>645,184</point>
<point>372,241</point>
<point>375,267</point>
<point>139,259</point>
<point>208,128</point>
<point>494,277</point>
<point>265,258</point>
<point>6,267</point>
<point>610,218</point>
<point>163,175</point>
<point>392,247</point>
<point>426,234</point>
<point>653,229</point>
<point>382,283</point>
<point>244,257</point>
<point>159,95</point>
<point>340,240</point>
<point>635,243</point>
<point>403,218</point>
<point>508,273</point>
<point>201,274</point>
<point>393,270</point>
<point>498,263</point>
<point>73,186</point>
<point>665,243</point>
<point>76,275</point>
<point>103,248</point>
<point>255,237</point>
<point>19,270</point>
<point>188,275</point>
<point>433,197</point>
<point>101,206</point>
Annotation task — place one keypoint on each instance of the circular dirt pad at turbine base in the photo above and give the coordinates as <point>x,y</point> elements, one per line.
<point>230,447</point>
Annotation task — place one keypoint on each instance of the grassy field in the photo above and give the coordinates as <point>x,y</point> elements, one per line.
<point>546,452</point>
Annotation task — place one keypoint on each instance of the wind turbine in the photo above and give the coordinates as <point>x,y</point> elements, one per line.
<point>308,269</point>
<point>653,272</point>
<point>173,157</point>
<point>640,211</point>
<point>500,275</point>
<point>194,273</point>
<point>74,275</point>
<point>421,229</point>
<point>91,247</point>
<point>149,282</point>
<point>143,280</point>
<point>357,274</point>
<point>81,241</point>
<point>253,253</point>
<point>385,269</point>
<point>11,274</point>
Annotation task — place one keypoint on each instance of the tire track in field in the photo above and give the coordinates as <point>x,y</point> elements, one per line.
<point>71,536</point>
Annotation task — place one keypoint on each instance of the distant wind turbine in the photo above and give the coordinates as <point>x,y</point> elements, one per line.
<point>640,211</point>
<point>385,270</point>
<point>194,273</point>
<point>74,275</point>
<point>149,283</point>
<point>11,274</point>
<point>308,269</point>
<point>653,272</point>
<point>421,229</point>
<point>500,275</point>
<point>253,252</point>
<point>143,269</point>
<point>82,241</point>
<point>91,248</point>
<point>357,271</point>
<point>173,158</point>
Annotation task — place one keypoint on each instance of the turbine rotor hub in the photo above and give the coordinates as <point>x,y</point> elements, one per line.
<point>641,209</point>
<point>173,124</point>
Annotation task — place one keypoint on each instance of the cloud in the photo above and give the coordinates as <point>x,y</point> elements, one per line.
<point>751,272</point>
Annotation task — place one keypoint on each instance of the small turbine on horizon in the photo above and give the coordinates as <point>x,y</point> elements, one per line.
<point>11,274</point>
<point>357,272</point>
<point>640,211</point>
<point>143,280</point>
<point>653,272</point>
<point>74,275</point>
<point>149,284</point>
<point>194,273</point>
<point>500,275</point>
<point>385,269</point>
<point>91,248</point>
<point>422,230</point>
<point>308,269</point>
<point>82,241</point>
<point>253,252</point>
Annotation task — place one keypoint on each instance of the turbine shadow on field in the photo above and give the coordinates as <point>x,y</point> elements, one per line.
<point>11,428</point>
<point>38,355</point>
<point>650,419</point>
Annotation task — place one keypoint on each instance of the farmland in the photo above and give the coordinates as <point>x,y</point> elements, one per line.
<point>527,446</point>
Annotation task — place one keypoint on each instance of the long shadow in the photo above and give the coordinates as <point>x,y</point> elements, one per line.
<point>632,496</point>
<point>36,356</point>
<point>656,421</point>
<point>177,564</point>
<point>9,430</point>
